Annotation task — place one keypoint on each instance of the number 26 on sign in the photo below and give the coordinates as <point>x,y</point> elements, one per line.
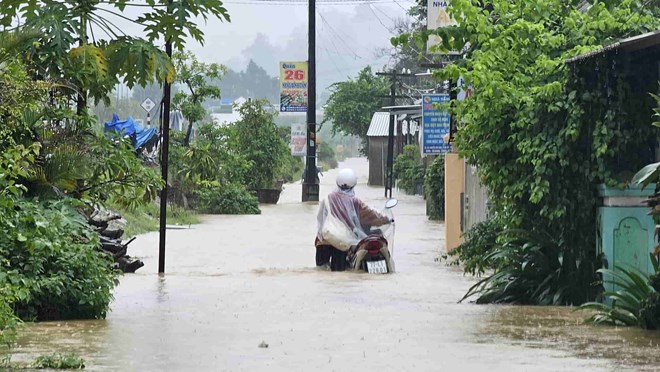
<point>294,75</point>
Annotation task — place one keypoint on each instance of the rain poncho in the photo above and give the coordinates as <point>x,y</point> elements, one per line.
<point>344,220</point>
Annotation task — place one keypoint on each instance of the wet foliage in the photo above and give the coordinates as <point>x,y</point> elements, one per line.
<point>635,301</point>
<point>227,199</point>
<point>537,269</point>
<point>217,172</point>
<point>474,254</point>
<point>50,253</point>
<point>352,103</point>
<point>543,132</point>
<point>409,170</point>
<point>434,188</point>
<point>59,361</point>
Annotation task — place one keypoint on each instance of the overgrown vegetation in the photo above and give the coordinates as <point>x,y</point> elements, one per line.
<point>54,164</point>
<point>215,173</point>
<point>434,188</point>
<point>59,361</point>
<point>635,301</point>
<point>409,170</point>
<point>227,199</point>
<point>476,251</point>
<point>535,269</point>
<point>543,132</point>
<point>327,157</point>
<point>256,137</point>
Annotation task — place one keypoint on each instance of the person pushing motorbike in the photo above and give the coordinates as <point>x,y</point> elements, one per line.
<point>343,220</point>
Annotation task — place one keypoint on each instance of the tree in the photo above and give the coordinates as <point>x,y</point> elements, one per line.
<point>196,77</point>
<point>541,135</point>
<point>67,49</point>
<point>352,103</point>
<point>257,138</point>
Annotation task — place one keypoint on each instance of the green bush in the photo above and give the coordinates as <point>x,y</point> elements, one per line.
<point>474,252</point>
<point>434,188</point>
<point>327,156</point>
<point>8,322</point>
<point>543,132</point>
<point>292,169</point>
<point>59,361</point>
<point>227,199</point>
<point>409,169</point>
<point>49,258</point>
<point>634,302</point>
<point>537,269</point>
<point>256,138</point>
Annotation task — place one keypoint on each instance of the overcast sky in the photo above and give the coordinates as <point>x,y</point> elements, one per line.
<point>348,36</point>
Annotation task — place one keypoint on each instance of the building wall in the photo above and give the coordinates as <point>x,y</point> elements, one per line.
<point>377,160</point>
<point>475,207</point>
<point>454,189</point>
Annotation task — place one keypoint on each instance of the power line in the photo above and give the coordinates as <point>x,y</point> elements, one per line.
<point>400,6</point>
<point>380,21</point>
<point>336,33</point>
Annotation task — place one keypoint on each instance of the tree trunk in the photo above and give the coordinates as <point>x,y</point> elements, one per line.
<point>186,142</point>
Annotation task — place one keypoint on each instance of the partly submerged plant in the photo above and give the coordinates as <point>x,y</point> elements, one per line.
<point>480,240</point>
<point>634,302</point>
<point>537,269</point>
<point>59,361</point>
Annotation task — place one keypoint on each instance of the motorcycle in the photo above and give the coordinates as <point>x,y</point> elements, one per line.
<point>373,253</point>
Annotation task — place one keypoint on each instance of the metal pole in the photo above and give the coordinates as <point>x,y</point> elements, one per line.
<point>390,144</point>
<point>167,90</point>
<point>310,190</point>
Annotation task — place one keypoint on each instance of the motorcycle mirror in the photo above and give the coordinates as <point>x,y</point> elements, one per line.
<point>391,203</point>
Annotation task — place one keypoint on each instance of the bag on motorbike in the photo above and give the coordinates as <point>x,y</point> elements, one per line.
<point>337,234</point>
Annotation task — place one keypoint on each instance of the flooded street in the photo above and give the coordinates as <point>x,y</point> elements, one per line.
<point>234,282</point>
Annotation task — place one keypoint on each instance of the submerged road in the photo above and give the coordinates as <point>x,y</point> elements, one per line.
<point>236,284</point>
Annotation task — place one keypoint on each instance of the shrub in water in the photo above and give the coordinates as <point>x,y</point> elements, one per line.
<point>227,199</point>
<point>51,256</point>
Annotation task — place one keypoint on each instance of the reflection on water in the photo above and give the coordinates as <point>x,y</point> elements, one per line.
<point>564,328</point>
<point>161,289</point>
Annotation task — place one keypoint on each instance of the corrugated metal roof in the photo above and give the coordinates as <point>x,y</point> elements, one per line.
<point>380,125</point>
<point>646,40</point>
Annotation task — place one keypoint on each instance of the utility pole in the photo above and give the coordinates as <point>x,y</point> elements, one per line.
<point>310,189</point>
<point>164,160</point>
<point>389,167</point>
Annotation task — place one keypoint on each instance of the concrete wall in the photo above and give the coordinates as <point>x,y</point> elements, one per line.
<point>475,207</point>
<point>454,188</point>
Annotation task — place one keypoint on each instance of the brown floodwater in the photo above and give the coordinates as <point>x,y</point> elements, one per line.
<point>235,284</point>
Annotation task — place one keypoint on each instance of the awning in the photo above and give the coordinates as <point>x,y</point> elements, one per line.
<point>404,109</point>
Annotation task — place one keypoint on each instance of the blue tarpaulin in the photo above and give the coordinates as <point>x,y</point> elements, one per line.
<point>139,135</point>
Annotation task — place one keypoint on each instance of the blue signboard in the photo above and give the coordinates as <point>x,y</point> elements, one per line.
<point>435,124</point>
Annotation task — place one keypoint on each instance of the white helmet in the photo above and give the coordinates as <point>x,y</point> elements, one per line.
<point>346,179</point>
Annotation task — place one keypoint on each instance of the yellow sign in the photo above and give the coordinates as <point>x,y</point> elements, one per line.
<point>293,86</point>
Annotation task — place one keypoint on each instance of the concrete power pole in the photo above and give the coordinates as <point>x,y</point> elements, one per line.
<point>310,189</point>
